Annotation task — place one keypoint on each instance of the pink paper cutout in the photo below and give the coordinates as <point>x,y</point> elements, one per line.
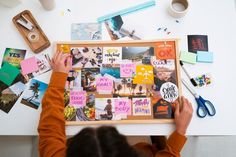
<point>29,65</point>
<point>123,106</point>
<point>127,69</point>
<point>104,84</point>
<point>78,98</point>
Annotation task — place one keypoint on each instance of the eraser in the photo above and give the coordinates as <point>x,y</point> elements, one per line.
<point>188,57</point>
<point>204,56</point>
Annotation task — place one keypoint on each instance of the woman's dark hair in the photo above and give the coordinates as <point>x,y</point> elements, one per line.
<point>104,141</point>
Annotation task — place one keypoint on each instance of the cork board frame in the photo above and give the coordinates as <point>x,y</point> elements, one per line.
<point>137,43</point>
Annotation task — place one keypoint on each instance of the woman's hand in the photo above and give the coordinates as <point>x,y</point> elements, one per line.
<point>183,115</point>
<point>61,62</point>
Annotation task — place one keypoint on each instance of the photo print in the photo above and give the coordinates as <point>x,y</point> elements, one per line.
<point>33,96</point>
<point>197,43</point>
<point>104,108</point>
<point>88,78</point>
<point>13,56</point>
<point>87,112</point>
<point>9,96</point>
<point>86,57</point>
<point>162,110</point>
<point>138,55</point>
<point>111,69</point>
<point>86,31</point>
<point>73,80</point>
<point>126,88</point>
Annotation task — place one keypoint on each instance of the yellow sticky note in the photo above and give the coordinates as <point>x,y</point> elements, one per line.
<point>65,48</point>
<point>144,74</point>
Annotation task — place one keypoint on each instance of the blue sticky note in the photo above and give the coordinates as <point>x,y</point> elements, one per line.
<point>204,56</point>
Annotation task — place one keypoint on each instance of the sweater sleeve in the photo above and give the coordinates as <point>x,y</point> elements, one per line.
<point>174,145</point>
<point>51,129</point>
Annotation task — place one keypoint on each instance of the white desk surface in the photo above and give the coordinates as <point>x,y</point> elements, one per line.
<point>215,18</point>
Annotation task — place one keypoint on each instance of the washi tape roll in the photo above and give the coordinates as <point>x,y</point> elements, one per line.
<point>33,36</point>
<point>178,8</point>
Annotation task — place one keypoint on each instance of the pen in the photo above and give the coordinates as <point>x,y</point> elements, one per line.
<point>191,79</point>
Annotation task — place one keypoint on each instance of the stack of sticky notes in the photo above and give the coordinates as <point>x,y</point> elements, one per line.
<point>188,57</point>
<point>204,56</point>
<point>29,65</point>
<point>200,56</point>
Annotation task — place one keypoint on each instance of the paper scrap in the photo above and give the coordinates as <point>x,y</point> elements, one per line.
<point>104,84</point>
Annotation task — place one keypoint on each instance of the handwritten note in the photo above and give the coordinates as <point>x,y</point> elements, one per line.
<point>26,69</point>
<point>123,106</point>
<point>104,84</point>
<point>141,106</point>
<point>127,69</point>
<point>78,98</point>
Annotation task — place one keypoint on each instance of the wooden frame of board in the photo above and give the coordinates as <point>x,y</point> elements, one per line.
<point>133,43</point>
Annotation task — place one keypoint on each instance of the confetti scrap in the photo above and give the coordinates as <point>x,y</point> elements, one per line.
<point>177,21</point>
<point>68,10</point>
<point>168,33</point>
<point>165,29</point>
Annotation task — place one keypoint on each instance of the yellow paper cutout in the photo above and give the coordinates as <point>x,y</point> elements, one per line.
<point>65,48</point>
<point>144,75</point>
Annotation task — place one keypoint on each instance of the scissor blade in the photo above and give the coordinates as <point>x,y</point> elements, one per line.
<point>189,88</point>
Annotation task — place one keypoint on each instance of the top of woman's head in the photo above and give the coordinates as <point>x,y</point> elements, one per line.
<point>104,141</point>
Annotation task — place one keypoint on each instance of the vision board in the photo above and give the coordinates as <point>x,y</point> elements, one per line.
<point>121,82</point>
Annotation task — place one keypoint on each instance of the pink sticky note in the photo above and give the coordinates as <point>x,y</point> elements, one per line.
<point>123,106</point>
<point>29,65</point>
<point>127,69</point>
<point>104,84</point>
<point>78,98</point>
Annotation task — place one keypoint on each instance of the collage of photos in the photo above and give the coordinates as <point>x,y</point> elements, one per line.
<point>123,82</point>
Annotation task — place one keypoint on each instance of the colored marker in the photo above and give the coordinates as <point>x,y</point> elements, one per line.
<point>186,72</point>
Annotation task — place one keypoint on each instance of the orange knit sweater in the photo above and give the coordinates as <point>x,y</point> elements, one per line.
<point>52,137</point>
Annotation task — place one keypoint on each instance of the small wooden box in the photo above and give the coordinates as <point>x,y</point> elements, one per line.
<point>42,42</point>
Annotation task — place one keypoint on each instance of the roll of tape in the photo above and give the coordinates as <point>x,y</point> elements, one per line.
<point>178,8</point>
<point>33,36</point>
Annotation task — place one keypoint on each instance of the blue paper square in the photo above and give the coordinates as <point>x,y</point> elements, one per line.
<point>204,56</point>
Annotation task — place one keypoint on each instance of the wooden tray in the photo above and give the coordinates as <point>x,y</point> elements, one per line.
<point>42,42</point>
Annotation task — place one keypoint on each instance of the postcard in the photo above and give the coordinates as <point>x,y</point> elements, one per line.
<point>33,96</point>
<point>87,113</point>
<point>40,65</point>
<point>86,31</point>
<point>86,57</point>
<point>111,69</point>
<point>141,106</point>
<point>10,95</point>
<point>88,78</point>
<point>113,27</point>
<point>138,55</point>
<point>144,74</point>
<point>104,108</point>
<point>126,88</point>
<point>13,56</point>
<point>112,55</point>
<point>74,79</point>
<point>8,73</point>
<point>197,43</point>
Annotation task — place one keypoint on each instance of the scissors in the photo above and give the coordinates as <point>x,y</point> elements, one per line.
<point>204,106</point>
